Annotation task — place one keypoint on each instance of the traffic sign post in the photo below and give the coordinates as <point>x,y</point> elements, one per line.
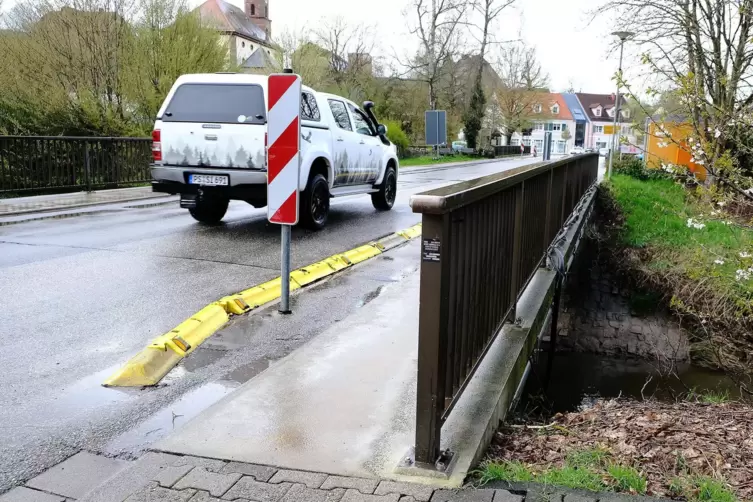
<point>436,127</point>
<point>283,165</point>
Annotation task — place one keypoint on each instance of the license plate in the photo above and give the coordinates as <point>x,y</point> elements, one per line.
<point>207,180</point>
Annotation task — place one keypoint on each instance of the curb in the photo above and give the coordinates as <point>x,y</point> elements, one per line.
<point>163,353</point>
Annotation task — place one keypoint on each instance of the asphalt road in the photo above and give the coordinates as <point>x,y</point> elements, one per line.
<point>81,295</point>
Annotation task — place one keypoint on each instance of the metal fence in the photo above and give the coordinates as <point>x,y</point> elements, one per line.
<point>482,241</point>
<point>34,164</point>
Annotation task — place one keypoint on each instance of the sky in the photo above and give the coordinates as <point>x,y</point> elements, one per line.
<point>573,50</point>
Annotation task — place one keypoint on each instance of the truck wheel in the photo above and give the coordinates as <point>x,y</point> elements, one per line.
<point>209,210</point>
<point>315,203</point>
<point>384,199</point>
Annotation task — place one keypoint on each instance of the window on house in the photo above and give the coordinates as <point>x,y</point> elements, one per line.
<point>243,44</point>
<point>556,109</point>
<point>309,108</point>
<point>340,113</point>
<point>610,112</point>
<point>598,129</point>
<point>625,113</point>
<point>536,108</point>
<point>515,142</point>
<point>597,111</point>
<point>627,130</point>
<point>526,141</point>
<point>539,144</point>
<point>253,9</point>
<point>539,126</point>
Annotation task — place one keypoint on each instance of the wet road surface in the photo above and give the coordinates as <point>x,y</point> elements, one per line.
<point>81,295</point>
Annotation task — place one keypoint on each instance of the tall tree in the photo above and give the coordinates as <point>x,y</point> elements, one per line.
<point>436,27</point>
<point>522,80</point>
<point>700,50</point>
<point>489,10</point>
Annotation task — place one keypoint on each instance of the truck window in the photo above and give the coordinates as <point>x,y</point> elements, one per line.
<point>309,108</point>
<point>217,103</point>
<point>361,122</point>
<point>341,114</point>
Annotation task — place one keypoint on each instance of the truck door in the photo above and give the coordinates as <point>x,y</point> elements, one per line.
<point>369,146</point>
<point>346,147</point>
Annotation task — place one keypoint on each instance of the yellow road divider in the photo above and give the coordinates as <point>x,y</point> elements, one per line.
<point>150,365</point>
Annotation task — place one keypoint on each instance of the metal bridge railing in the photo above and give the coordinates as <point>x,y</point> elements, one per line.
<point>482,241</point>
<point>32,164</point>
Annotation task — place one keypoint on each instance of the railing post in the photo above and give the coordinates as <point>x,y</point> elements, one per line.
<point>517,244</point>
<point>432,336</point>
<point>548,220</point>
<point>87,167</point>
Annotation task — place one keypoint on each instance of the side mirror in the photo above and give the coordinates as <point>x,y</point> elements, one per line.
<point>382,130</point>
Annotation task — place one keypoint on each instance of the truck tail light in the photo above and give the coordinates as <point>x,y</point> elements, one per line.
<point>266,140</point>
<point>157,145</point>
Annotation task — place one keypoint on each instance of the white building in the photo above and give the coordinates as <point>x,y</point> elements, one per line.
<point>549,114</point>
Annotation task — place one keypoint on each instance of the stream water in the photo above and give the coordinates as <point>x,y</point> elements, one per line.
<point>578,378</point>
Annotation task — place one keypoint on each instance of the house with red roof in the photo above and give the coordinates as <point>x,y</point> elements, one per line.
<point>248,32</point>
<point>549,113</point>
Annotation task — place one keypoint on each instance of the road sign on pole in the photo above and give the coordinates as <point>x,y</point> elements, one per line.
<point>283,165</point>
<point>436,127</point>
<point>283,156</point>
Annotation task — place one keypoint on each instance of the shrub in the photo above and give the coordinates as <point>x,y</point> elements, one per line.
<point>396,135</point>
<point>632,166</point>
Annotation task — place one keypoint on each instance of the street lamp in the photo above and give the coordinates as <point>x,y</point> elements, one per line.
<point>622,35</point>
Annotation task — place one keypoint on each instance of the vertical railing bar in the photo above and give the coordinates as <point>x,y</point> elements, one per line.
<point>517,244</point>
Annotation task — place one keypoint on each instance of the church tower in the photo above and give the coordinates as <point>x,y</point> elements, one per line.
<point>258,12</point>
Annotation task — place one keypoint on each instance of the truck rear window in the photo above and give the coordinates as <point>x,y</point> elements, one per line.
<point>217,103</point>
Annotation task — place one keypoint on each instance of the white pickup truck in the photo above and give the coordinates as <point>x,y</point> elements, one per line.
<point>209,146</point>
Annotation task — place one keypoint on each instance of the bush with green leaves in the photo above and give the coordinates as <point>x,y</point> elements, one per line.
<point>397,136</point>
<point>634,167</point>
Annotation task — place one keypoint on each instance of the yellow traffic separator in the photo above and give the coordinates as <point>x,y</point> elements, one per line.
<point>150,365</point>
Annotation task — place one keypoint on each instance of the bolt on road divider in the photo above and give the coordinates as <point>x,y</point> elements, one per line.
<point>153,362</point>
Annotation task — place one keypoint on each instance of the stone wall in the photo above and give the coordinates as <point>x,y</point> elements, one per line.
<point>601,314</point>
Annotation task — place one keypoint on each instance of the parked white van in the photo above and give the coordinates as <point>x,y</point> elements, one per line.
<point>209,146</point>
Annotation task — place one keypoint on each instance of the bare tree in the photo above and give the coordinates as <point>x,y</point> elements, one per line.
<point>349,50</point>
<point>474,115</point>
<point>522,80</point>
<point>436,28</point>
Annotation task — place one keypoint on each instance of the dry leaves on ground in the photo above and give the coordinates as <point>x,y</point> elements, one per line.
<point>662,440</point>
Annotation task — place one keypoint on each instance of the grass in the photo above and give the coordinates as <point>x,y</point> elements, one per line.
<point>429,160</point>
<point>627,479</point>
<point>595,471</point>
<point>656,216</point>
<point>701,489</point>
<point>710,396</point>
<point>584,470</point>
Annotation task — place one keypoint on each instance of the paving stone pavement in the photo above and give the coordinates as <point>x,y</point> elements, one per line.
<point>162,477</point>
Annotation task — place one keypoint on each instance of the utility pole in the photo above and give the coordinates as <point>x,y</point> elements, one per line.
<point>622,35</point>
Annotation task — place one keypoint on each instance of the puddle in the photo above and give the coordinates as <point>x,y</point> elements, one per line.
<point>201,358</point>
<point>243,374</point>
<point>169,419</point>
<point>370,296</point>
<point>577,378</point>
<point>88,393</point>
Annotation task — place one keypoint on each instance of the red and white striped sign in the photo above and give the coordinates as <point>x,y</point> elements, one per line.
<point>284,141</point>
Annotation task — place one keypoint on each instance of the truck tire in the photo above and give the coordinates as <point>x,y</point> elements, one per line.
<point>384,199</point>
<point>209,210</point>
<point>314,209</point>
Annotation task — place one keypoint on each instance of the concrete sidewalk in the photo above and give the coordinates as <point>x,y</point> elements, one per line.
<point>45,203</point>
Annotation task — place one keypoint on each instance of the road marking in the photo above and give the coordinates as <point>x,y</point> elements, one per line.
<point>153,362</point>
